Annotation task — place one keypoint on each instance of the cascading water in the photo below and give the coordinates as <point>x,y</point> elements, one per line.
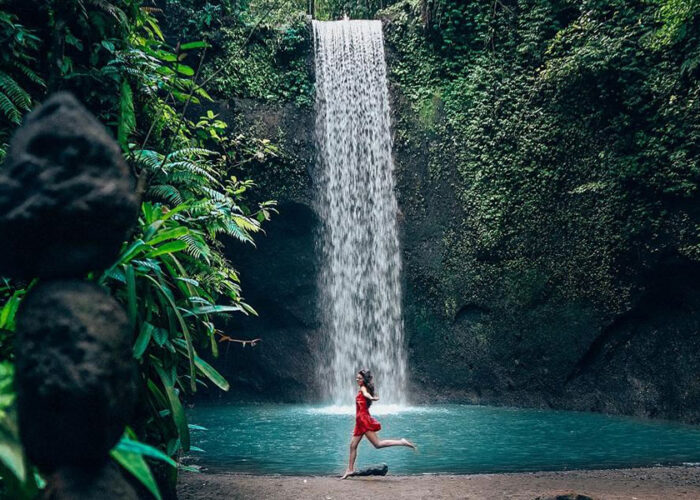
<point>360,281</point>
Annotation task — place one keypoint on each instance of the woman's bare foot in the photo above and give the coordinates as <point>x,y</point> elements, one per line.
<point>406,442</point>
<point>347,473</point>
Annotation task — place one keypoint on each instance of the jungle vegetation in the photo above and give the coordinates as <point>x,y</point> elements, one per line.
<point>510,90</point>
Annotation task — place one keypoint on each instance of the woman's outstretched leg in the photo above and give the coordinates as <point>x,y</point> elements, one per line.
<point>353,455</point>
<point>384,443</point>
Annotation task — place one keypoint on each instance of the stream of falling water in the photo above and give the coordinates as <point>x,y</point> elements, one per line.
<point>360,278</point>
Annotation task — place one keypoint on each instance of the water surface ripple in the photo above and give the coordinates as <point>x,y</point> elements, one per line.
<point>457,439</point>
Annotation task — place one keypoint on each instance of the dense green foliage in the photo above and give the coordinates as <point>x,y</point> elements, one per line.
<point>274,67</point>
<point>354,9</point>
<point>172,277</point>
<point>568,132</point>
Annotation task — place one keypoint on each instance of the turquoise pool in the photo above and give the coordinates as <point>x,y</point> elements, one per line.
<point>457,439</point>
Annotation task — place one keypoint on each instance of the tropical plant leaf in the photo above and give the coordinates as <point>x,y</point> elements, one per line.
<point>136,466</point>
<point>178,413</point>
<point>127,117</point>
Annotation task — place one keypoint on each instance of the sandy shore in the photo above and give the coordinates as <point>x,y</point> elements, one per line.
<point>662,483</point>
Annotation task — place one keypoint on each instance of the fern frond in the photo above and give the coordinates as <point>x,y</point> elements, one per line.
<point>246,223</point>
<point>147,159</point>
<point>201,207</point>
<point>30,74</point>
<point>9,109</point>
<point>196,247</point>
<point>14,91</point>
<point>192,167</point>
<point>111,9</point>
<point>233,229</point>
<point>216,195</point>
<point>186,177</point>
<point>166,192</point>
<point>187,153</point>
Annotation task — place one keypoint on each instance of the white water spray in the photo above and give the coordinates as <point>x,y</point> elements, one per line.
<point>360,281</point>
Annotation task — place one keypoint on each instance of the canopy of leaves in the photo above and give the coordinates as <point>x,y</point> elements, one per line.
<point>172,276</point>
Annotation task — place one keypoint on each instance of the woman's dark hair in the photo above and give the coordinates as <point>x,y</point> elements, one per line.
<point>368,382</point>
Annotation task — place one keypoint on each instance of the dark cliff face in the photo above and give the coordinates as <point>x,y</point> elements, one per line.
<point>279,274</point>
<point>536,317</point>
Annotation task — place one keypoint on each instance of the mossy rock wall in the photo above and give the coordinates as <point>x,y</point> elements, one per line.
<point>549,248</point>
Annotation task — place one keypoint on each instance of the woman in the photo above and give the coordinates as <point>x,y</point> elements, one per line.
<point>365,425</point>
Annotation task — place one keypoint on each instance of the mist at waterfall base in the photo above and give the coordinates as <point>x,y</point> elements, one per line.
<point>452,439</point>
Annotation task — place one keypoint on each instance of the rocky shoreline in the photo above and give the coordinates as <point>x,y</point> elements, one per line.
<point>650,483</point>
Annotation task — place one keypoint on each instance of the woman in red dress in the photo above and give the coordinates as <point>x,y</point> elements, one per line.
<point>365,424</point>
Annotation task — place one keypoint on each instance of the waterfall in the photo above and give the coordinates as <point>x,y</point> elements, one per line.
<point>360,278</point>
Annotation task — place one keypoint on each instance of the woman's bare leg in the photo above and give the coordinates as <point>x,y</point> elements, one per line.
<point>384,443</point>
<point>354,442</point>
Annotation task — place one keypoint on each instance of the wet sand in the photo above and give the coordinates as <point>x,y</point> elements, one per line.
<point>657,483</point>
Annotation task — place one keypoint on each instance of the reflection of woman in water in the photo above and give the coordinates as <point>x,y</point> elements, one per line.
<point>365,425</point>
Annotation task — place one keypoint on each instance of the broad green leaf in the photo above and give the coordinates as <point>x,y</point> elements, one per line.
<point>132,446</point>
<point>178,412</point>
<point>127,117</point>
<point>152,228</point>
<point>183,69</point>
<point>11,454</point>
<point>169,234</point>
<point>131,252</point>
<point>206,369</point>
<point>9,310</point>
<point>155,27</point>
<point>196,311</point>
<point>160,398</point>
<point>185,331</point>
<point>131,295</point>
<point>249,308</point>
<point>211,373</point>
<point>137,466</point>
<point>143,339</point>
<point>194,45</point>
<point>171,247</point>
<point>175,210</point>
<point>203,93</point>
<point>160,336</point>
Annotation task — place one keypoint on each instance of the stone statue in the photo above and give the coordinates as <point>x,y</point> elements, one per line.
<point>67,202</point>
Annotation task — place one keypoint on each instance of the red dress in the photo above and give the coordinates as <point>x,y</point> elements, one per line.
<point>363,420</point>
